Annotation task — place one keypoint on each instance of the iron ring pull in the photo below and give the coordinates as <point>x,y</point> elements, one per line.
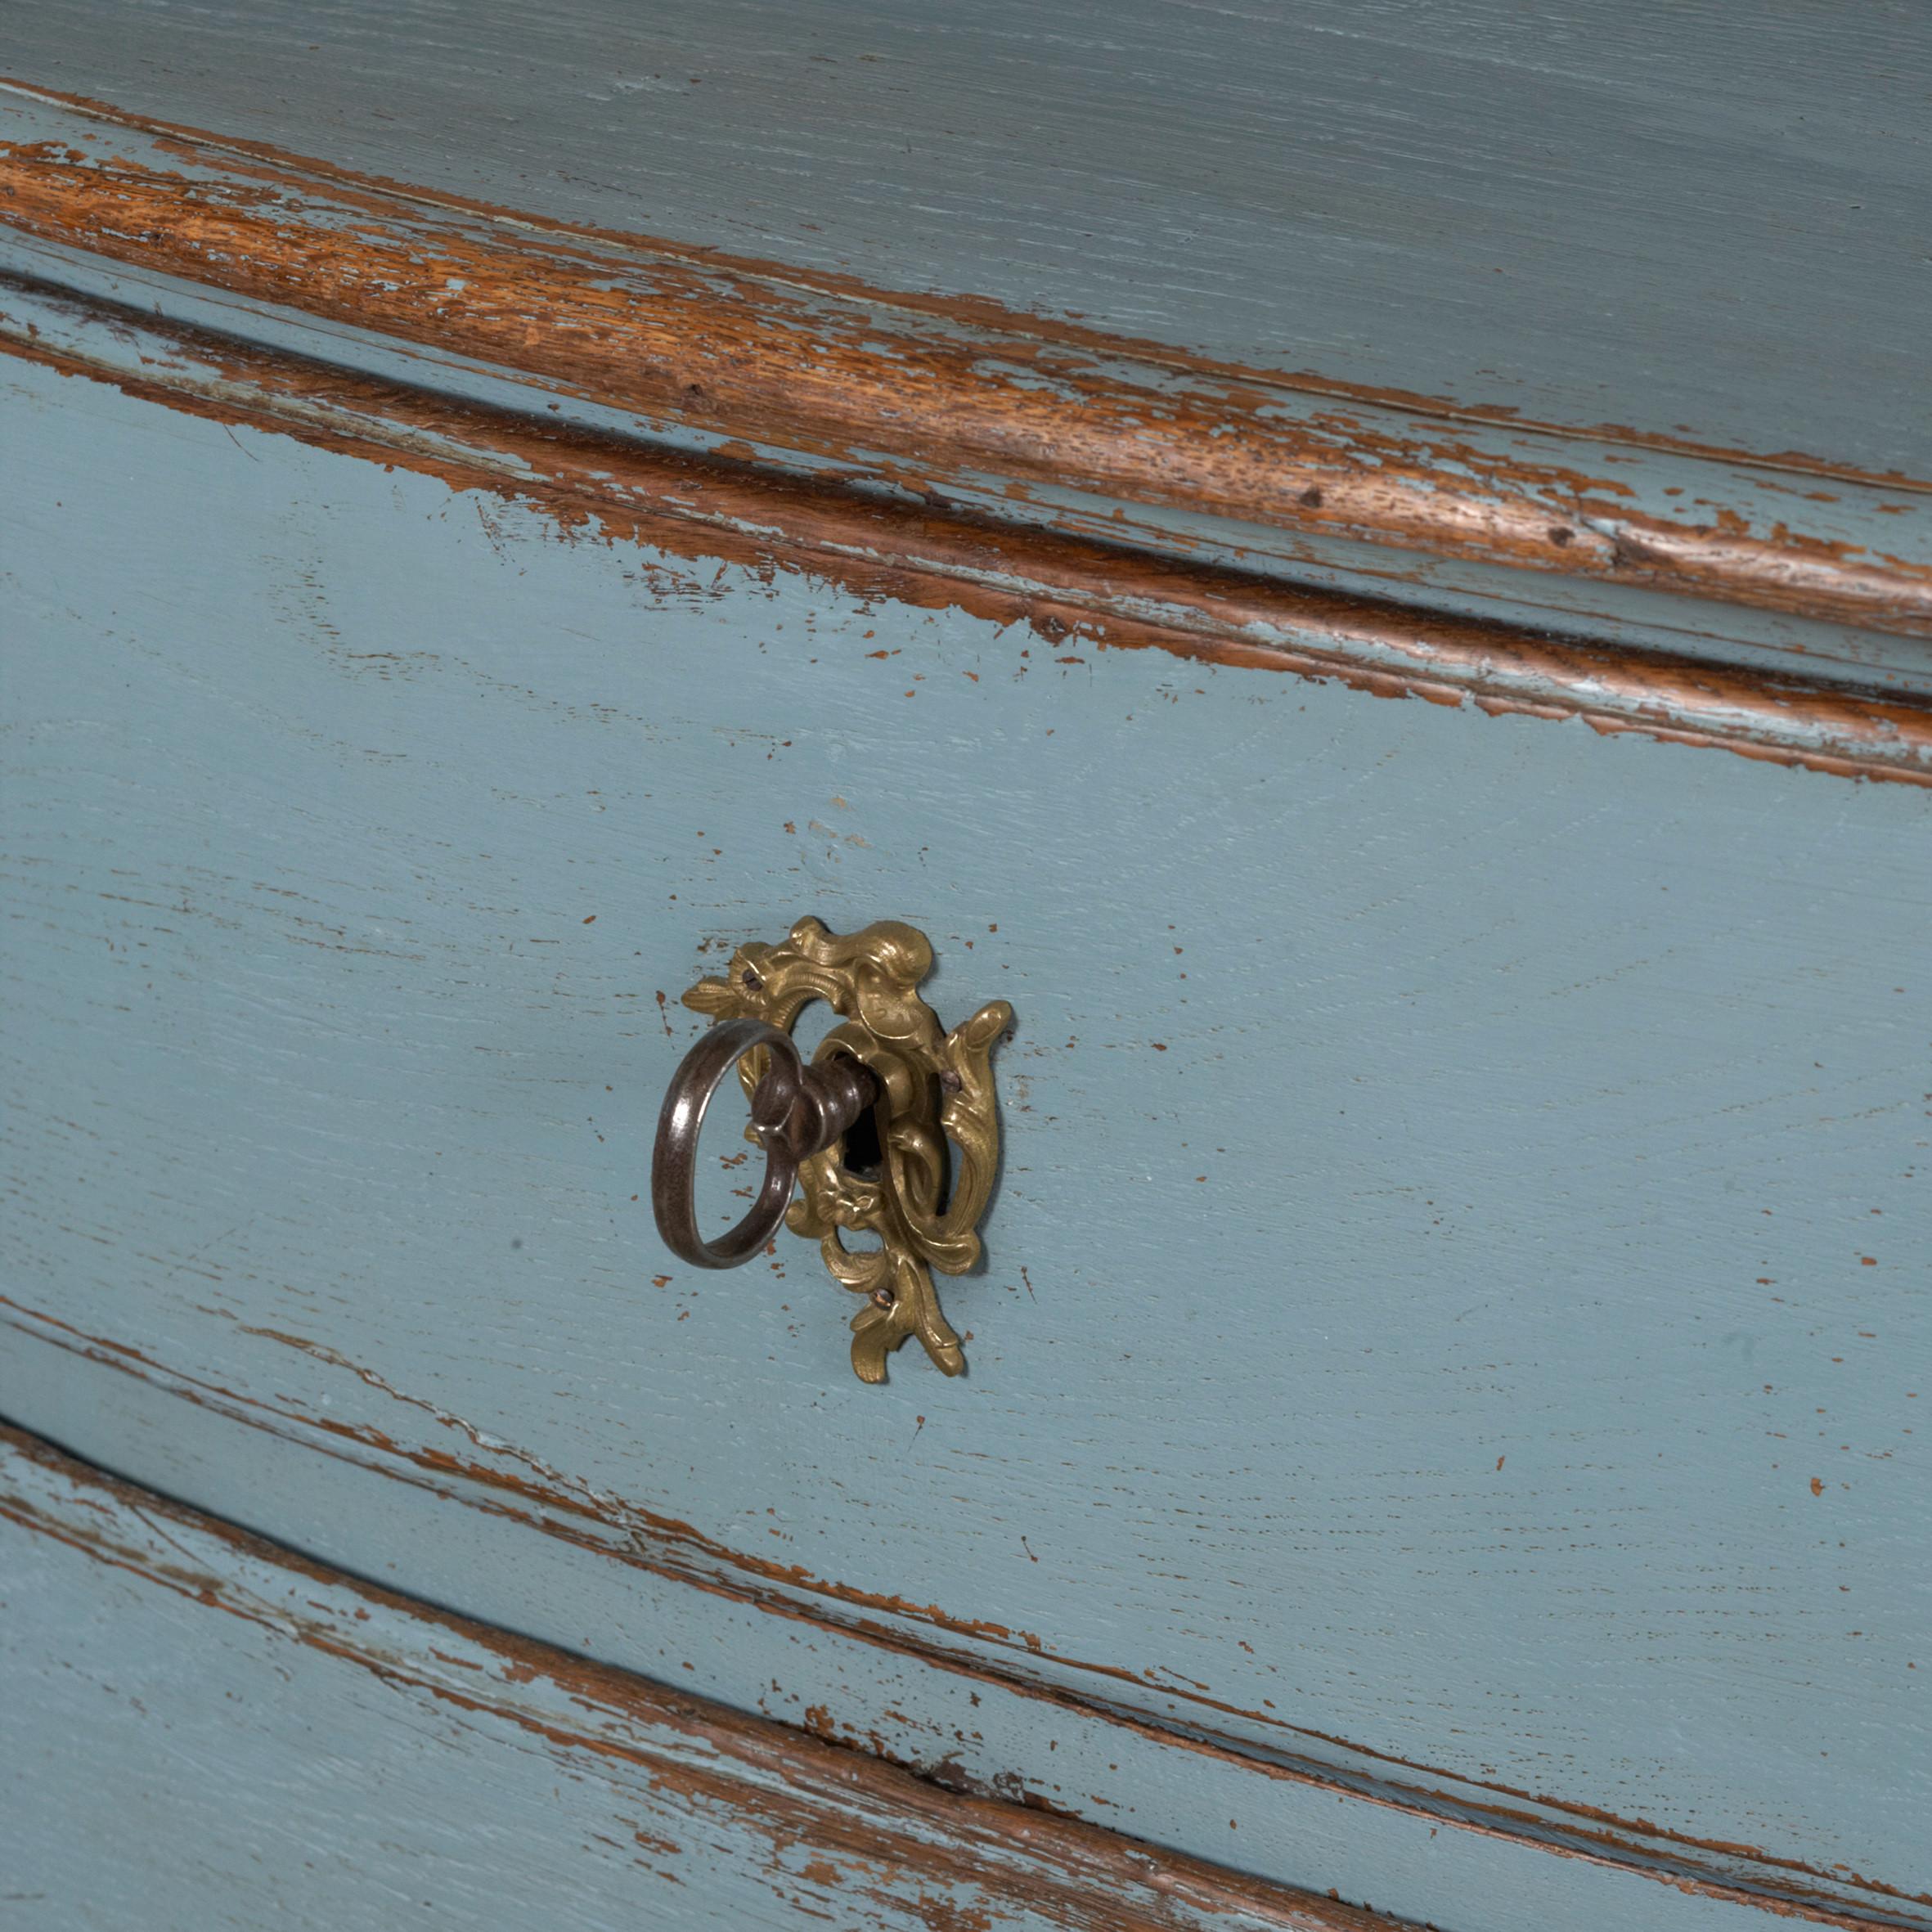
<point>796,1112</point>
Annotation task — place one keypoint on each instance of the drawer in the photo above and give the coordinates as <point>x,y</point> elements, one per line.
<point>1438,1424</point>
<point>138,1632</point>
<point>1459,1208</point>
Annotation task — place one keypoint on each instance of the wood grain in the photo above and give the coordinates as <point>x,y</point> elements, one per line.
<point>1657,213</point>
<point>1072,591</point>
<point>920,396</point>
<point>352,1749</point>
<point>355,820</point>
<point>881,1678</point>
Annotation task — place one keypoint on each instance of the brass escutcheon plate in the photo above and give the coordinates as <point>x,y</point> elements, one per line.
<point>936,1087</point>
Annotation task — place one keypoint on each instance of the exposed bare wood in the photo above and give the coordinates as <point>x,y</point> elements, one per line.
<point>888,1845</point>
<point>926,392</point>
<point>1064,586</point>
<point>1000,1661</point>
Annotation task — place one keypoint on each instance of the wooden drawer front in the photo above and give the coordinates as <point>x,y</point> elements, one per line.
<point>355,1755</point>
<point>1454,1313</point>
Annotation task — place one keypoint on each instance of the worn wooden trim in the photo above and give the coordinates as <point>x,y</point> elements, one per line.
<point>893,1838</point>
<point>506,1483</point>
<point>927,392</point>
<point>1074,593</point>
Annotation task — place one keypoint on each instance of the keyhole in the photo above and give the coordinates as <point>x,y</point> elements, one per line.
<point>861,1154</point>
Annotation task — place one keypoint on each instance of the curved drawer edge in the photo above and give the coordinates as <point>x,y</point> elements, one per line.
<point>915,391</point>
<point>1072,592</point>
<point>955,1705</point>
<point>819,1827</point>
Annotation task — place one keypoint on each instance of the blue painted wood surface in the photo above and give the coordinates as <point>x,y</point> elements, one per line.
<point>202,1730</point>
<point>1632,535</point>
<point>1455,1304</point>
<point>1653,214</point>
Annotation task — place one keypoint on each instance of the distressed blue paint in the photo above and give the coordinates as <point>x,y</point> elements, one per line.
<point>1648,493</point>
<point>943,1717</point>
<point>1443,1151</point>
<point>1655,213</point>
<point>233,1738</point>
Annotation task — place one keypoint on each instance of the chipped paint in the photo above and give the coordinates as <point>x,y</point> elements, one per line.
<point>705,511</point>
<point>919,392</point>
<point>900,1848</point>
<point>565,1509</point>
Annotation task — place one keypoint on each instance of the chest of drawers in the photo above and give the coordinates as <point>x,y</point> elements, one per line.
<point>1363,580</point>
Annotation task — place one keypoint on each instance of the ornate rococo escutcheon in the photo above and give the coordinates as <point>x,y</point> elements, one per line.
<point>924,1087</point>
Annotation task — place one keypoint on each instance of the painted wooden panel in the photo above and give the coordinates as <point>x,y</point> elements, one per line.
<point>614,1585</point>
<point>1031,420</point>
<point>1068,586</point>
<point>1459,1280</point>
<point>1652,213</point>
<point>205,1729</point>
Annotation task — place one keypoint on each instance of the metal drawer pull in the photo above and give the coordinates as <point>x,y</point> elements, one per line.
<point>863,1131</point>
<point>796,1112</point>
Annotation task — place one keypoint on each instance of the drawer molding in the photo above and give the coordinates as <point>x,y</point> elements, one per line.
<point>991,1666</point>
<point>917,392</point>
<point>839,1829</point>
<point>1072,593</point>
